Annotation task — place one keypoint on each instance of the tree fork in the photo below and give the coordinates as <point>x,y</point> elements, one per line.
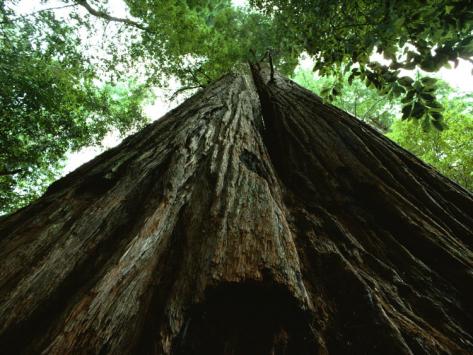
<point>252,219</point>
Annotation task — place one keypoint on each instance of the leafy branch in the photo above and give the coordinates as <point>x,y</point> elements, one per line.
<point>10,20</point>
<point>108,17</point>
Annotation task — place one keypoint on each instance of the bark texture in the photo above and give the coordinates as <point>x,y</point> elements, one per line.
<point>251,220</point>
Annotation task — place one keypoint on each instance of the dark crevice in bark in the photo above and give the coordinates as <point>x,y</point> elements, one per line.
<point>246,319</point>
<point>252,162</point>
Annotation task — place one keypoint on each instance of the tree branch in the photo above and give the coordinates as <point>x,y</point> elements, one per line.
<point>105,16</point>
<point>372,108</point>
<point>185,88</point>
<point>9,20</point>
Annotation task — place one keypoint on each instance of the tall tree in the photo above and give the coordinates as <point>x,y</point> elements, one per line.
<point>252,219</point>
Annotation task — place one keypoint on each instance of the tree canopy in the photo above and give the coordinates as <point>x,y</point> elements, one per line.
<point>72,70</point>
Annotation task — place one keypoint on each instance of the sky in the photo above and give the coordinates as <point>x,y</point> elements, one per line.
<point>460,78</point>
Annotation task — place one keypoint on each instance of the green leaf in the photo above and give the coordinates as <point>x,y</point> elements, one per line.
<point>428,82</point>
<point>409,96</point>
<point>406,81</point>
<point>435,106</point>
<point>438,125</point>
<point>350,78</point>
<point>437,116</point>
<point>406,111</point>
<point>427,96</point>
<point>418,110</point>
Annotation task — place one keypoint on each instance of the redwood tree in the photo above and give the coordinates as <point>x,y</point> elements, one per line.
<point>252,219</point>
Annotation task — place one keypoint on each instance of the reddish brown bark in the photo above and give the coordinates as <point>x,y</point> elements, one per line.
<point>252,219</point>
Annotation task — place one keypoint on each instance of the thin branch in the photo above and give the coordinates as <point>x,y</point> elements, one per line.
<point>185,88</point>
<point>372,108</point>
<point>105,16</point>
<point>9,20</point>
<point>264,56</point>
<point>194,77</point>
<point>356,101</point>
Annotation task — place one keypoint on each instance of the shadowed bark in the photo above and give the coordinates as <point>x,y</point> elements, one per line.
<point>252,219</point>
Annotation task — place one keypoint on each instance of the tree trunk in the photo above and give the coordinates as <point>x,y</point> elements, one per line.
<point>253,219</point>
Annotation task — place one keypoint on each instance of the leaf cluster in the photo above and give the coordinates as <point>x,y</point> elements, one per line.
<point>343,34</point>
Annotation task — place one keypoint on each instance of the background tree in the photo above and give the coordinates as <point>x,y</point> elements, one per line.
<point>50,103</point>
<point>214,36</point>
<point>342,35</point>
<point>355,97</point>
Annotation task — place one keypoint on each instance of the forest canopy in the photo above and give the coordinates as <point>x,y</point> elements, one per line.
<point>72,70</point>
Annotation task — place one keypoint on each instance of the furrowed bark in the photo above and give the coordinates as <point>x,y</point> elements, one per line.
<point>252,219</point>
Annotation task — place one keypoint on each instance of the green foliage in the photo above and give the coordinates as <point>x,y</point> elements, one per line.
<point>50,104</point>
<point>199,41</point>
<point>354,97</point>
<point>340,35</point>
<point>449,150</point>
<point>411,34</point>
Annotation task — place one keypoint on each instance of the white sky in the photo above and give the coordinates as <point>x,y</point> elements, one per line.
<point>460,78</point>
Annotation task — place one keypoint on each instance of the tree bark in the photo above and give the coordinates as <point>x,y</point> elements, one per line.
<point>252,219</point>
